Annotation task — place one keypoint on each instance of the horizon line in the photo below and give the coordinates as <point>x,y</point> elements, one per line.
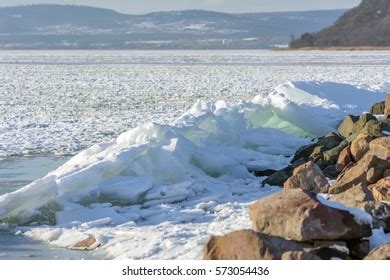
<point>167,11</point>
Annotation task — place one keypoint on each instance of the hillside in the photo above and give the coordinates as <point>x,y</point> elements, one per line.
<point>366,25</point>
<point>78,27</point>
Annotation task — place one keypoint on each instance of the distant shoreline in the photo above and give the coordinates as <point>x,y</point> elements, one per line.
<point>354,48</point>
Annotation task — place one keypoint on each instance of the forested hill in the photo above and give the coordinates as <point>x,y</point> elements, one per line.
<point>366,25</point>
<point>77,27</point>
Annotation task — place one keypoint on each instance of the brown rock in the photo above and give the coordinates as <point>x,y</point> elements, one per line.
<point>308,177</point>
<point>380,147</point>
<point>381,253</point>
<point>299,255</point>
<point>248,245</point>
<point>387,106</point>
<point>344,159</point>
<point>356,197</point>
<point>366,171</point>
<point>360,146</point>
<point>381,190</point>
<point>362,122</point>
<point>86,245</point>
<point>374,174</point>
<point>298,215</point>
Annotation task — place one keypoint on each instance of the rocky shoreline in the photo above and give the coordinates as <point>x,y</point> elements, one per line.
<point>336,193</point>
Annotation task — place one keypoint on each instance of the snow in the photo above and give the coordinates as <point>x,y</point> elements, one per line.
<point>158,190</point>
<point>3,226</point>
<point>360,216</point>
<point>104,93</point>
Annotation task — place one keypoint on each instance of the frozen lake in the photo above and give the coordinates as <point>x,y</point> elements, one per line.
<point>159,191</point>
<point>63,101</point>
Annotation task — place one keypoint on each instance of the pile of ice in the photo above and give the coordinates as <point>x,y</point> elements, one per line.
<point>164,164</point>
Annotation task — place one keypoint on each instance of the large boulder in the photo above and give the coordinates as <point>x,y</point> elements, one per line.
<point>329,141</point>
<point>378,108</point>
<point>380,147</point>
<point>366,171</point>
<point>372,128</point>
<point>381,190</point>
<point>352,126</point>
<point>360,146</point>
<point>303,154</point>
<point>356,197</point>
<point>308,177</point>
<point>344,159</point>
<point>363,121</point>
<point>248,245</point>
<point>297,215</point>
<point>346,128</point>
<point>381,253</point>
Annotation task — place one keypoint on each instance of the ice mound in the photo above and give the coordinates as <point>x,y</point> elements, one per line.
<point>211,144</point>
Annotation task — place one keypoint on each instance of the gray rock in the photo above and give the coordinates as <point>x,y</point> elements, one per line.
<point>346,128</point>
<point>331,156</point>
<point>330,141</point>
<point>330,172</point>
<point>279,177</point>
<point>303,153</point>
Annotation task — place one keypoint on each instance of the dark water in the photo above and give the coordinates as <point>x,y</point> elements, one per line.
<point>16,172</point>
<point>13,247</point>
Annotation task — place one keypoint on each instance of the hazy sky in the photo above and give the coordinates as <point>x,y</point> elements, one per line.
<point>143,6</point>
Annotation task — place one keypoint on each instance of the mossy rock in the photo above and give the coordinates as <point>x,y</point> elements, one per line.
<point>378,108</point>
<point>346,128</point>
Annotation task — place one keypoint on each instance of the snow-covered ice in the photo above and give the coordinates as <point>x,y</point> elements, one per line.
<point>160,189</point>
<point>64,101</point>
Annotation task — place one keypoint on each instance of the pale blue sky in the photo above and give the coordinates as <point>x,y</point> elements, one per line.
<point>144,6</point>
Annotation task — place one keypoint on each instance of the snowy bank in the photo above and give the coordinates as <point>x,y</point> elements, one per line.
<point>171,178</point>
